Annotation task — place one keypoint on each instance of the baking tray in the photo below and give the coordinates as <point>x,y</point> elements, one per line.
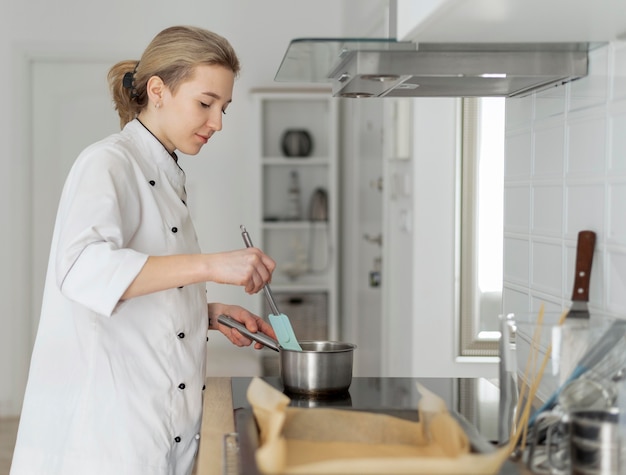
<point>248,438</point>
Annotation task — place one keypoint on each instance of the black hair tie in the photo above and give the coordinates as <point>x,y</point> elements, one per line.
<point>128,81</point>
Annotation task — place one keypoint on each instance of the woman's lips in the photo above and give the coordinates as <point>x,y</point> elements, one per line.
<point>203,138</point>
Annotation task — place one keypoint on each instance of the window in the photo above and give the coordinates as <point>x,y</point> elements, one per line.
<point>481,234</point>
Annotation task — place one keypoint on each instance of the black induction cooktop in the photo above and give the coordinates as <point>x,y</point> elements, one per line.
<point>392,396</point>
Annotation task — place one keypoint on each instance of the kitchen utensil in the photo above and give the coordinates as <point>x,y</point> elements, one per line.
<point>294,208</point>
<point>548,440</point>
<point>597,388</point>
<point>574,333</point>
<point>581,397</point>
<point>507,377</point>
<point>318,207</point>
<point>594,445</point>
<point>531,376</point>
<point>321,368</point>
<point>592,358</point>
<point>587,393</point>
<point>593,442</point>
<point>318,214</point>
<point>279,321</point>
<point>584,259</point>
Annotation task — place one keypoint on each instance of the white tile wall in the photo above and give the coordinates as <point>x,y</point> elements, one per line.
<point>547,220</point>
<point>617,141</point>
<point>549,144</point>
<point>516,199</point>
<point>592,90</point>
<point>518,148</point>
<point>586,143</point>
<point>619,71</point>
<point>616,281</point>
<point>565,171</point>
<point>517,256</point>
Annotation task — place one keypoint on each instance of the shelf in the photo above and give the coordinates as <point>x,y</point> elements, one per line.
<point>302,243</point>
<point>299,288</point>
<point>300,162</point>
<point>293,225</point>
<point>309,112</point>
<point>276,195</point>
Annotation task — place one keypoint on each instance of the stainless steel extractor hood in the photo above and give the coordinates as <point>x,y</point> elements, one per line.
<point>389,68</point>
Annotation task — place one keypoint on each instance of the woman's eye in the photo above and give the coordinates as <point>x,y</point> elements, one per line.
<point>224,111</point>
<point>206,106</point>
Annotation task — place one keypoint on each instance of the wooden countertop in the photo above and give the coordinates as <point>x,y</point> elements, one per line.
<point>217,419</point>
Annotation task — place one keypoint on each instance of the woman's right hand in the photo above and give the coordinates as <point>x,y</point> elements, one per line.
<point>251,268</point>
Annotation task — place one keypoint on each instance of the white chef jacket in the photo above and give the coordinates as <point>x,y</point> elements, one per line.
<point>115,388</point>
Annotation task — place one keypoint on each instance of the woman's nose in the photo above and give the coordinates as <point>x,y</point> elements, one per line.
<point>215,121</point>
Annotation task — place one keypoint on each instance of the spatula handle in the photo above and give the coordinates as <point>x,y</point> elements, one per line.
<point>259,337</point>
<point>266,289</point>
<point>584,258</point>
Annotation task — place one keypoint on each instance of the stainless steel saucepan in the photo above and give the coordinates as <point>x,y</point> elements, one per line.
<point>322,368</point>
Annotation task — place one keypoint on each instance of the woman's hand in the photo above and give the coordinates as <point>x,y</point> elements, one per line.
<point>251,268</point>
<point>251,321</point>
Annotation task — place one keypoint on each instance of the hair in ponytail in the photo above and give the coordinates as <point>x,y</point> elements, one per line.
<point>172,55</point>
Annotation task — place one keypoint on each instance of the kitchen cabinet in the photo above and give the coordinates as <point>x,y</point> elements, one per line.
<point>508,21</point>
<point>296,146</point>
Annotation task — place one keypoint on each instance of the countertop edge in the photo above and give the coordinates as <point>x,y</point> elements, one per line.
<point>217,419</point>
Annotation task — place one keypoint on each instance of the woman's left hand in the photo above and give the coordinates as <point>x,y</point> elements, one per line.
<point>252,322</point>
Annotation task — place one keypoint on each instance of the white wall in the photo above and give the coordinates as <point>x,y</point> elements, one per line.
<point>29,29</point>
<point>565,171</point>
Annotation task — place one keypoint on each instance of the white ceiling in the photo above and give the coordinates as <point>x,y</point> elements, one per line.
<point>513,20</point>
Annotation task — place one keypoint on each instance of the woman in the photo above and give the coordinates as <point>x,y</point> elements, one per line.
<point>117,372</point>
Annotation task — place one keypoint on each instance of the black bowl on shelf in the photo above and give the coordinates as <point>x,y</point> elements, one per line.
<point>296,143</point>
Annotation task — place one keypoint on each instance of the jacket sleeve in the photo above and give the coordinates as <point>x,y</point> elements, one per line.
<point>98,214</point>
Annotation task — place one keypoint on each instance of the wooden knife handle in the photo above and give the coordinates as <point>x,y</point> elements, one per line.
<point>584,258</point>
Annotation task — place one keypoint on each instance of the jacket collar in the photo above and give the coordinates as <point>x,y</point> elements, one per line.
<point>154,154</point>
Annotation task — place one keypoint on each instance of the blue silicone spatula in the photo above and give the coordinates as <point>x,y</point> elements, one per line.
<point>279,321</point>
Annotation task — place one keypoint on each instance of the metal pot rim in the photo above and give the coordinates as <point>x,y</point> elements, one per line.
<point>341,346</point>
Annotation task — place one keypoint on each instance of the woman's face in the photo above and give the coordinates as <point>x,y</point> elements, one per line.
<point>187,119</point>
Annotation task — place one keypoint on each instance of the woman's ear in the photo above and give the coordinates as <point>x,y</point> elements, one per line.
<point>155,88</point>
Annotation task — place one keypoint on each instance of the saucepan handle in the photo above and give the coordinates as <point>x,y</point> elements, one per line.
<point>258,337</point>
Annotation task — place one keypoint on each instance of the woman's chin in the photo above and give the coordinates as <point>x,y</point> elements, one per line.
<point>191,149</point>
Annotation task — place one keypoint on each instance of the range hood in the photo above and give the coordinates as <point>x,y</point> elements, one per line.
<point>385,67</point>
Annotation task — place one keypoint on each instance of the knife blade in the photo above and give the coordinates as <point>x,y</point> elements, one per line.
<point>582,276</point>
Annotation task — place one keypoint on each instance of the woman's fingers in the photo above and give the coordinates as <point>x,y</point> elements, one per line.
<point>256,282</point>
<point>238,339</point>
<point>252,322</point>
<point>249,268</point>
<point>260,270</point>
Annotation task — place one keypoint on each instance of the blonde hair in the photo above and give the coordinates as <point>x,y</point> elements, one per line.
<point>172,55</point>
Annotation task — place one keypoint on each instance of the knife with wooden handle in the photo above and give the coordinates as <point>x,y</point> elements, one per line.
<point>582,277</point>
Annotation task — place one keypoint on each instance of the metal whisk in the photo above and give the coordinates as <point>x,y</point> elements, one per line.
<point>596,388</point>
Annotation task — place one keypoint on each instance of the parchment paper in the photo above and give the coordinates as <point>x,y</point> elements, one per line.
<point>335,441</point>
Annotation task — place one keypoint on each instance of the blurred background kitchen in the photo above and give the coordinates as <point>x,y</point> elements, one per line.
<point>420,243</point>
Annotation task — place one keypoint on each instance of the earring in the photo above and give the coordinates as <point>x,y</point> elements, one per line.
<point>157,105</point>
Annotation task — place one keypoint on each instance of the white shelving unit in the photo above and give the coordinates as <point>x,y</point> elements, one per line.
<point>305,282</point>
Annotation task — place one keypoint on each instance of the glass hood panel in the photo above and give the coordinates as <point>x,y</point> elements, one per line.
<point>313,59</point>
<point>379,67</point>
